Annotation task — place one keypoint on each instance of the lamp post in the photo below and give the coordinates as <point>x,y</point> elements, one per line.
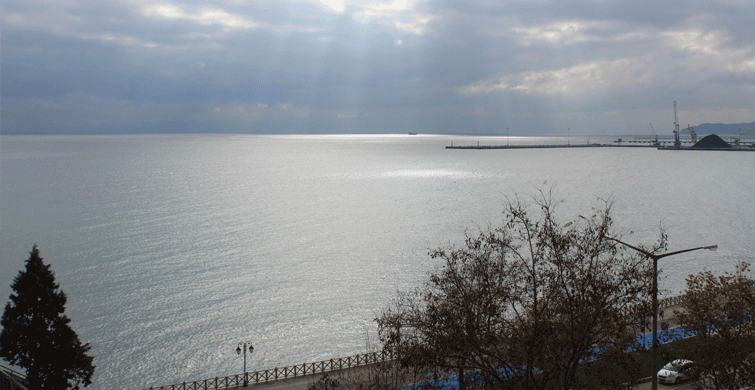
<point>655,292</point>
<point>244,347</point>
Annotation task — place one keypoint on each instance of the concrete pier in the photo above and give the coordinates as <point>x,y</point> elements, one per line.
<point>549,146</point>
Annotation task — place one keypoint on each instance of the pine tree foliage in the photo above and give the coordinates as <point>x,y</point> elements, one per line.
<point>36,334</point>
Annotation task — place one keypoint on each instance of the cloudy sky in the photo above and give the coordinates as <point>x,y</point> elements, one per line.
<point>365,66</point>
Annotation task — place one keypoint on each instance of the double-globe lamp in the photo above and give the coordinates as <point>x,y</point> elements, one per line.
<point>243,347</point>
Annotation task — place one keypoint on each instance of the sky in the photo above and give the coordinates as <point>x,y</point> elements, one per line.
<point>366,66</point>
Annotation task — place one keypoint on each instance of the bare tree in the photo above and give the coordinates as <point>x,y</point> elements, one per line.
<point>720,311</point>
<point>526,304</point>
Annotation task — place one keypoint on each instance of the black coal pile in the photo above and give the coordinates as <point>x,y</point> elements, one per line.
<point>711,142</point>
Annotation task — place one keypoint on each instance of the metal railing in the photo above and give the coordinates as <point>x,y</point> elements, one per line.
<point>277,373</point>
<point>670,301</point>
<point>11,379</point>
<point>663,304</point>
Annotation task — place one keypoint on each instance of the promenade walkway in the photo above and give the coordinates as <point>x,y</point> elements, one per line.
<point>301,376</point>
<point>302,382</point>
<point>292,377</point>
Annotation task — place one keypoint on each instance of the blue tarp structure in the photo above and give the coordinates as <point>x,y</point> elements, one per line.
<point>668,335</point>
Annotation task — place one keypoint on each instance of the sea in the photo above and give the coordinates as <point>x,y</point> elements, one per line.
<point>172,249</point>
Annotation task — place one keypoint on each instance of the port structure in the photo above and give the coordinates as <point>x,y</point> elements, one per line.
<point>692,133</point>
<point>677,142</point>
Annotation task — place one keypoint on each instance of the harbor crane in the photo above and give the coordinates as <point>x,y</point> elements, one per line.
<point>677,142</point>
<point>742,131</point>
<point>656,142</point>
<point>692,134</point>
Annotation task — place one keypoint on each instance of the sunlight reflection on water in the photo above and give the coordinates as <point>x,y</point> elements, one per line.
<point>174,248</point>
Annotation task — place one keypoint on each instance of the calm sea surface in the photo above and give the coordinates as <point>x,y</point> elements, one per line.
<point>172,249</point>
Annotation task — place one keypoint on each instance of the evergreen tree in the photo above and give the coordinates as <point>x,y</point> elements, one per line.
<point>36,334</point>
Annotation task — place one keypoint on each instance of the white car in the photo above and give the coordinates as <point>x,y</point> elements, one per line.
<point>676,371</point>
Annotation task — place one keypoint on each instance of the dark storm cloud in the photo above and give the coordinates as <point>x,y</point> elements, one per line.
<point>364,66</point>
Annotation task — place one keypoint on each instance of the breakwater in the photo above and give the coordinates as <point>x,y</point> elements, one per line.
<point>731,149</point>
<point>617,145</point>
<point>478,146</point>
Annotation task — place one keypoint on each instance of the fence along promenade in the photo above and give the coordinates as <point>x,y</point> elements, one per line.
<point>11,379</point>
<point>278,373</point>
<point>324,366</point>
<point>663,304</point>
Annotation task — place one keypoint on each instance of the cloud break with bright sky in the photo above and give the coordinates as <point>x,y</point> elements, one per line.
<point>364,66</point>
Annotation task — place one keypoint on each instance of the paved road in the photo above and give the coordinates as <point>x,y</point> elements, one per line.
<point>302,383</point>
<point>298,383</point>
<point>648,385</point>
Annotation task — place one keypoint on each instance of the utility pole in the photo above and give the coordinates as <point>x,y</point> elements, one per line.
<point>677,142</point>
<point>655,293</point>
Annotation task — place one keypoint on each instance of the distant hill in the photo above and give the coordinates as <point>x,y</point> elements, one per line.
<point>722,128</point>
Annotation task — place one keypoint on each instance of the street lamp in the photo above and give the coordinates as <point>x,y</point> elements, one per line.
<point>244,347</point>
<point>655,292</point>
